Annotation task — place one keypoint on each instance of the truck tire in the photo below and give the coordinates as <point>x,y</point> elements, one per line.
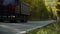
<point>24,19</point>
<point>13,20</point>
<point>1,20</point>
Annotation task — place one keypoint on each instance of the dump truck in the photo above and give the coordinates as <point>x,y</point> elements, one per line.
<point>19,12</point>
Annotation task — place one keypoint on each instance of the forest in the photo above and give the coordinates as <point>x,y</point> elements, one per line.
<point>38,10</point>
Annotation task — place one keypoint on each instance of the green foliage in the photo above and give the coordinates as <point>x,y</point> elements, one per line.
<point>38,9</point>
<point>43,10</point>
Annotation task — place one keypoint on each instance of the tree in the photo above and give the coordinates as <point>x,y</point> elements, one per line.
<point>38,9</point>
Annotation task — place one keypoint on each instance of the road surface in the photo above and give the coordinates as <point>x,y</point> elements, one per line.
<point>22,28</point>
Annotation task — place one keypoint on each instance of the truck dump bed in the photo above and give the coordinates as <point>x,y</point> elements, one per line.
<point>14,12</point>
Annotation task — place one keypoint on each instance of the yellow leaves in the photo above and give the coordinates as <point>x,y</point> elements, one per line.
<point>58,2</point>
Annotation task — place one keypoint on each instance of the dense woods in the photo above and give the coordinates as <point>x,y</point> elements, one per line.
<point>38,10</point>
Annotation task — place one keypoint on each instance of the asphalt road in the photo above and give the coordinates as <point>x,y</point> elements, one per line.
<point>21,28</point>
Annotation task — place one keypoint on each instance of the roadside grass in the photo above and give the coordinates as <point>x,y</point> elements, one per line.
<point>53,28</point>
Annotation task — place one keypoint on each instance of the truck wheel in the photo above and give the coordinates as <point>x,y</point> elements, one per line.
<point>24,19</point>
<point>13,21</point>
<point>1,20</point>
